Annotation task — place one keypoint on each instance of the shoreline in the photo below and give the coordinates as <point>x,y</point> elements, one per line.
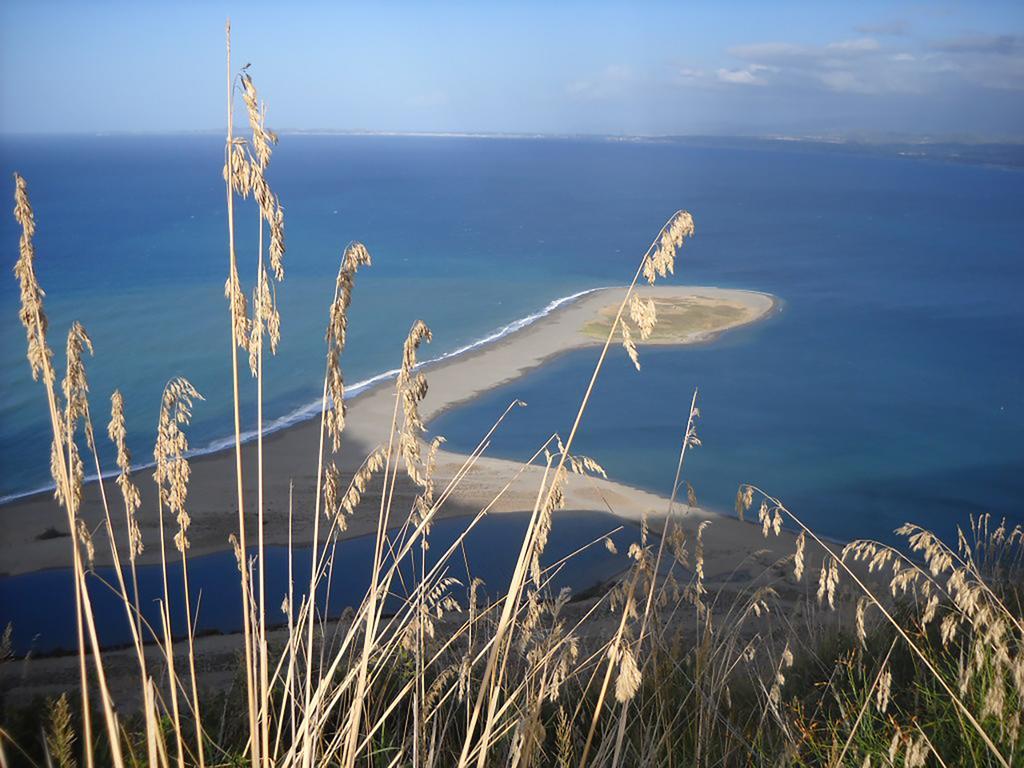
<point>303,413</point>
<point>455,378</point>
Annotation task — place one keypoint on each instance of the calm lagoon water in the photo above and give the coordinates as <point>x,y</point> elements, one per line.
<point>216,594</point>
<point>890,387</point>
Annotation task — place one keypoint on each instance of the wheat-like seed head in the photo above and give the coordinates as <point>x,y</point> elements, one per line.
<point>262,139</point>
<point>828,580</point>
<point>798,557</point>
<point>531,618</point>
<point>995,699</point>
<point>357,487</point>
<point>276,251</point>
<point>236,548</point>
<point>249,175</point>
<point>884,688</point>
<point>629,345</point>
<point>582,465</point>
<point>677,544</point>
<point>172,468</point>
<point>76,385</point>
<point>265,319</point>
<point>862,632</point>
<point>785,662</point>
<point>691,495</point>
<point>355,256</point>
<point>744,498</point>
<point>563,739</point>
<point>412,388</point>
<point>440,684</point>
<point>661,261</point>
<point>698,569</point>
<point>237,169</point>
<point>60,734</point>
<point>72,499</point>
<point>118,434</point>
<point>77,470</point>
<point>246,173</point>
<point>643,314</point>
<point>56,457</point>
<point>31,312</point>
<point>628,681</point>
<point>916,753</point>
<point>85,538</point>
<point>240,322</point>
<point>332,481</point>
<point>424,501</point>
<point>555,500</point>
<point>894,745</point>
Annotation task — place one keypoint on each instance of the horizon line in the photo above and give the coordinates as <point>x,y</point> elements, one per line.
<point>819,138</point>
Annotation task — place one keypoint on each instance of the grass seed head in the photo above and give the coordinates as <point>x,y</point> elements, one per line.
<point>412,388</point>
<point>660,261</point>
<point>355,256</point>
<point>172,468</point>
<point>118,434</point>
<point>32,315</point>
<point>630,347</point>
<point>60,735</point>
<point>798,557</point>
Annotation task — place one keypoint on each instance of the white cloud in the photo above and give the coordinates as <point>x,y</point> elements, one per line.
<point>690,73</point>
<point>752,75</point>
<point>863,65</point>
<point>783,53</point>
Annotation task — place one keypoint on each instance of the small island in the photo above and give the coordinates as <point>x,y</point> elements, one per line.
<point>698,315</point>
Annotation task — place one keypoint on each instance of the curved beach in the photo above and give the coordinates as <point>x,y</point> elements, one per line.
<point>290,454</point>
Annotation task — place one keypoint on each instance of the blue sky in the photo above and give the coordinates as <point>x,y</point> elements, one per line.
<point>865,68</point>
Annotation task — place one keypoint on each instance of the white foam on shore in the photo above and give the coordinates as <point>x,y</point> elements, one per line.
<point>312,409</point>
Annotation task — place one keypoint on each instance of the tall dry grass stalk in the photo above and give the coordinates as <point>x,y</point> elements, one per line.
<point>236,172</point>
<point>65,462</point>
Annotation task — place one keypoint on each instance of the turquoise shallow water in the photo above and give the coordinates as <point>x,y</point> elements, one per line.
<point>889,388</point>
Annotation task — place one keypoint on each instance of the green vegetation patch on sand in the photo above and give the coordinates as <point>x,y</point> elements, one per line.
<point>680,320</point>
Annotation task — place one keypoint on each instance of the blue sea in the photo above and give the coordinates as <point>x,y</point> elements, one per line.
<point>890,387</point>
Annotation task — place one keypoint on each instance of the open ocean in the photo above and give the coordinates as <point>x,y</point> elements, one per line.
<point>889,388</point>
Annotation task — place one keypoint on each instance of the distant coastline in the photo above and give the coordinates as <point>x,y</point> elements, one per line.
<point>999,152</point>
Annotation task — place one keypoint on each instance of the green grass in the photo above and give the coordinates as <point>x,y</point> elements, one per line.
<point>678,320</point>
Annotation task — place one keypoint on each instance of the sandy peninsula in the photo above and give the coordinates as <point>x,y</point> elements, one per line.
<point>737,557</point>
<point>689,315</point>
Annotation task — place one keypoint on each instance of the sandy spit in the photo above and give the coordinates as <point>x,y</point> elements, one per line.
<point>290,456</point>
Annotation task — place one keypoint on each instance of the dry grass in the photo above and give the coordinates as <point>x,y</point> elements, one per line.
<point>875,657</point>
